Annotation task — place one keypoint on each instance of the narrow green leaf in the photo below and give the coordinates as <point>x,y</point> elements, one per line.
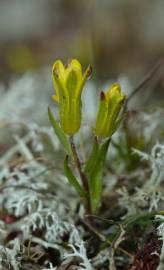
<point>59,132</point>
<point>96,175</point>
<point>96,190</point>
<point>72,179</point>
<point>89,165</point>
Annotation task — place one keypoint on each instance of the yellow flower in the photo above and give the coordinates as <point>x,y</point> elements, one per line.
<point>110,105</point>
<point>68,83</point>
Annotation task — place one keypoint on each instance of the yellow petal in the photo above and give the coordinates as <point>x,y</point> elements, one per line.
<point>85,76</point>
<point>75,64</point>
<point>75,67</point>
<point>113,90</point>
<point>58,69</point>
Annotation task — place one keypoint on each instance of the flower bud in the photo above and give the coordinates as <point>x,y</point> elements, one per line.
<point>110,105</point>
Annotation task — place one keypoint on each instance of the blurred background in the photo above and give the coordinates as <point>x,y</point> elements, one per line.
<point>122,39</point>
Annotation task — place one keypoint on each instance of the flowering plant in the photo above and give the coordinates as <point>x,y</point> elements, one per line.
<point>68,83</point>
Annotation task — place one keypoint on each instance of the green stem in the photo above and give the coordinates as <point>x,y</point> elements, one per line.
<point>83,177</point>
